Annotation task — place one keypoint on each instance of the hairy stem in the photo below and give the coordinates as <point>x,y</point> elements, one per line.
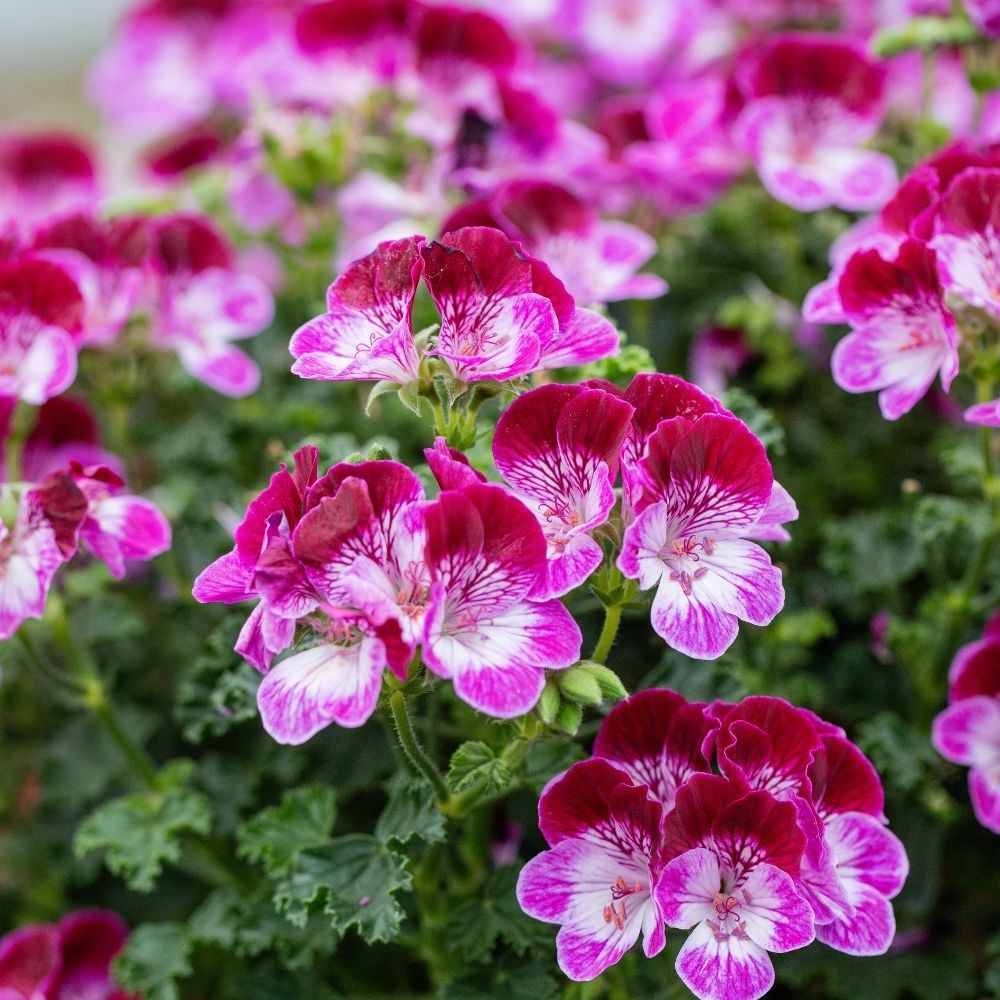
<point>609,631</point>
<point>411,748</point>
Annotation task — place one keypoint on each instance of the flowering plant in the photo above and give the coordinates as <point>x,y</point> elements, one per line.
<point>446,549</point>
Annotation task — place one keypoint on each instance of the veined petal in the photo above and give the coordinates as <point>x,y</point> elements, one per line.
<point>687,887</point>
<point>984,791</point>
<point>567,568</point>
<point>869,931</point>
<point>867,852</point>
<point>727,969</point>
<point>587,336</point>
<point>312,689</point>
<point>125,527</point>
<point>968,732</point>
<point>224,581</point>
<point>773,912</point>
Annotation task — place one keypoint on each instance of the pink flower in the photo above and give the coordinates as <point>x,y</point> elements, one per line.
<point>986,15</point>
<point>41,310</point>
<point>204,304</point>
<point>967,240</point>
<point>731,859</point>
<point>64,961</point>
<point>42,176</point>
<point>968,731</point>
<point>597,880</point>
<point>596,260</point>
<point>486,554</point>
<point>557,446</point>
<point>902,334</point>
<point>811,102</point>
<point>705,484</point>
<point>718,353</point>
<point>367,332</point>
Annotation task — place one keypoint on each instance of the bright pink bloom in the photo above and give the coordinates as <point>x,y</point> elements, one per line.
<point>811,102</point>
<point>718,353</point>
<point>367,332</point>
<point>557,446</point>
<point>986,15</point>
<point>968,731</point>
<point>486,554</point>
<point>598,878</point>
<point>42,176</point>
<point>204,304</point>
<point>731,859</point>
<point>65,961</point>
<point>450,467</point>
<point>41,311</point>
<point>705,484</point>
<point>968,238</point>
<point>65,431</point>
<point>903,336</point>
<point>597,261</point>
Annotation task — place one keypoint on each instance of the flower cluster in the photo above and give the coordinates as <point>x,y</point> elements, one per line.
<point>63,961</point>
<point>968,731</point>
<point>72,497</point>
<point>918,282</point>
<point>757,826</point>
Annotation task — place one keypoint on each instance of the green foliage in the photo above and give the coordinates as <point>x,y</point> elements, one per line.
<point>139,832</point>
<point>154,959</point>
<point>476,771</point>
<point>411,813</point>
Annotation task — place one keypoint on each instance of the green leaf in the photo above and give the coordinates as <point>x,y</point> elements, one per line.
<point>275,835</point>
<point>475,770</point>
<point>509,980</point>
<point>412,811</point>
<point>477,924</point>
<point>139,832</point>
<point>154,958</point>
<point>354,879</point>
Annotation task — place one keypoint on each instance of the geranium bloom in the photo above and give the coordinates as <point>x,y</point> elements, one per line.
<point>486,554</point>
<point>986,15</point>
<point>597,881</point>
<point>730,860</point>
<point>596,260</point>
<point>902,334</point>
<point>811,102</point>
<point>41,311</point>
<point>367,332</point>
<point>968,731</point>
<point>557,446</point>
<point>705,484</point>
<point>204,303</point>
<point>64,961</point>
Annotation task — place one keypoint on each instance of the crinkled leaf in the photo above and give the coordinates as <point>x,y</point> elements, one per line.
<point>275,835</point>
<point>504,981</point>
<point>138,832</point>
<point>354,880</point>
<point>547,757</point>
<point>154,958</point>
<point>412,811</point>
<point>475,770</point>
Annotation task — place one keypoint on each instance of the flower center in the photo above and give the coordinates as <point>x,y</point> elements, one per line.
<point>727,921</point>
<point>682,555</point>
<point>614,912</point>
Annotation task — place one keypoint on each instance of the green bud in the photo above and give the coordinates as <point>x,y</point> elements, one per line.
<point>378,453</point>
<point>548,704</point>
<point>569,718</point>
<point>580,686</point>
<point>355,458</point>
<point>611,686</point>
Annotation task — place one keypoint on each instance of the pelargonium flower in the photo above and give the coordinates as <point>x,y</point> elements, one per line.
<point>64,961</point>
<point>486,554</point>
<point>596,260</point>
<point>968,731</point>
<point>41,311</point>
<point>43,176</point>
<point>730,863</point>
<point>811,102</point>
<point>557,446</point>
<point>986,15</point>
<point>367,332</point>
<point>705,484</point>
<point>598,878</point>
<point>204,303</point>
<point>903,336</point>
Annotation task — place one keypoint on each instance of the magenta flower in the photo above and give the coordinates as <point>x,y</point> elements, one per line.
<point>968,238</point>
<point>65,961</point>
<point>596,260</point>
<point>811,102</point>
<point>968,731</point>
<point>367,332</point>
<point>903,336</point>
<point>43,176</point>
<point>41,311</point>
<point>204,304</point>
<point>557,446</point>
<point>731,859</point>
<point>486,554</point>
<point>597,880</point>
<point>986,15</point>
<point>705,484</point>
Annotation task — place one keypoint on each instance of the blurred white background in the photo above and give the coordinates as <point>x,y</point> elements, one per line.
<point>45,48</point>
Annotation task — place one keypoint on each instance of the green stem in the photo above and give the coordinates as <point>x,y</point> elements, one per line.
<point>612,619</point>
<point>984,393</point>
<point>20,422</point>
<point>411,748</point>
<point>138,760</point>
<point>440,423</point>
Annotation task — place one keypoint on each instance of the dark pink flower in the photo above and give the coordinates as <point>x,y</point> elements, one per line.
<point>557,447</point>
<point>903,336</point>
<point>597,879</point>
<point>986,15</point>
<point>718,353</point>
